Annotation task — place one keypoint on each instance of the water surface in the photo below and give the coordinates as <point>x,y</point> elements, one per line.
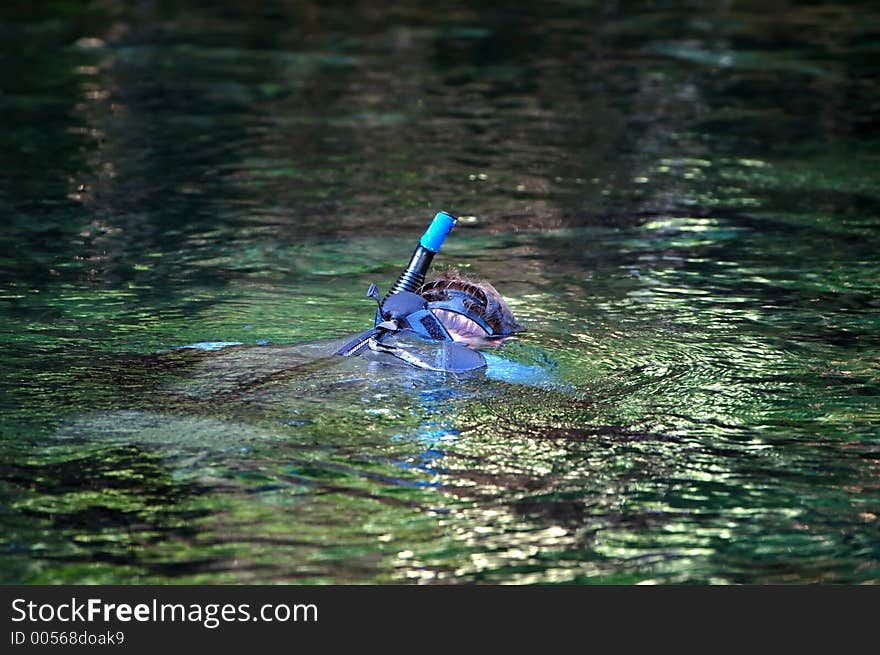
<point>680,200</point>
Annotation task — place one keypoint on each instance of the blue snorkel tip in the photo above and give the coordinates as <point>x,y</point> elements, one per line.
<point>413,275</point>
<point>437,231</point>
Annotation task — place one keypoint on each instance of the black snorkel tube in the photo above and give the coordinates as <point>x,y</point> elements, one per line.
<point>413,275</point>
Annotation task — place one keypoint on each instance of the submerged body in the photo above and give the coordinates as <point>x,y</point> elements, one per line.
<point>206,398</point>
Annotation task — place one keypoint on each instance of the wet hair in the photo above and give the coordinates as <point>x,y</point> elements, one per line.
<point>487,303</point>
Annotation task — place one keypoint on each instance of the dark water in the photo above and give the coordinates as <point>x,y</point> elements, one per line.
<point>681,200</point>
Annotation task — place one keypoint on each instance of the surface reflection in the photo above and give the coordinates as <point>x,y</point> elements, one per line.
<point>679,202</point>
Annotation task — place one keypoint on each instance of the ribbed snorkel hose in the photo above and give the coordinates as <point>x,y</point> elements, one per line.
<point>413,275</point>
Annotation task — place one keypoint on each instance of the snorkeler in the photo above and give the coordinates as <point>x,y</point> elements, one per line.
<point>436,325</point>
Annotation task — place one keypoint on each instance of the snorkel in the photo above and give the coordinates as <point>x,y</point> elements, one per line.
<point>406,327</point>
<point>401,304</point>
<point>413,275</point>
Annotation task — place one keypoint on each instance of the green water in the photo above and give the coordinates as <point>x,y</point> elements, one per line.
<point>680,200</point>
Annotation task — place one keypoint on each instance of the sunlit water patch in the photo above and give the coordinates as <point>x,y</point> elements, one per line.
<point>680,204</point>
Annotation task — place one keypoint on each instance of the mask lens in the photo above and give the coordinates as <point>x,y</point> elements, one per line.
<point>459,326</point>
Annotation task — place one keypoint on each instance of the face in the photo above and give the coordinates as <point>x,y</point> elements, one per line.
<point>464,330</point>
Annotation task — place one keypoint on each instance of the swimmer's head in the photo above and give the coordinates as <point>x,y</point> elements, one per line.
<point>473,312</point>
